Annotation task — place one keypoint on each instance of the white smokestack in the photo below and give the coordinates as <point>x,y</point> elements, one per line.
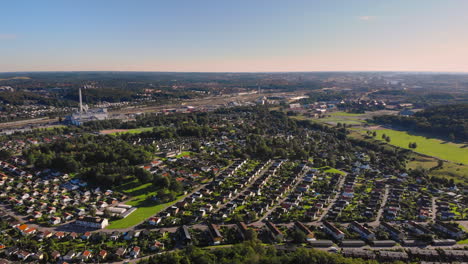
<point>81,101</point>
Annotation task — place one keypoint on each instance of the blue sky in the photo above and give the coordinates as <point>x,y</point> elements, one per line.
<point>254,35</point>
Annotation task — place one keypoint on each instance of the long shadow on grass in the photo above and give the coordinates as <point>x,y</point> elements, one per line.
<point>147,189</point>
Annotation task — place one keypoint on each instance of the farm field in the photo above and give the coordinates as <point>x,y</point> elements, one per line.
<point>428,146</point>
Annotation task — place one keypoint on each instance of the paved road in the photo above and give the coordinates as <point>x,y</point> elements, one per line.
<point>434,209</point>
<point>27,122</point>
<point>382,207</point>
<point>337,194</point>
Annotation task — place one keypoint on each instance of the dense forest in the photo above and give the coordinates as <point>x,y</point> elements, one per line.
<point>98,158</point>
<point>252,253</point>
<point>26,98</point>
<point>446,121</point>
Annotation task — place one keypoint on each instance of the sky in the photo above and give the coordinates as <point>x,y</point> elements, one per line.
<point>234,36</point>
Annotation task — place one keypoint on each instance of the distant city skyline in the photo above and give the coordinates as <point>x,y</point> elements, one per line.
<point>234,36</point>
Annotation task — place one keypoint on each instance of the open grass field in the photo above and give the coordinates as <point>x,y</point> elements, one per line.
<point>126,131</point>
<point>449,170</point>
<point>183,154</point>
<point>346,114</point>
<point>145,207</point>
<point>454,153</point>
<point>141,214</point>
<point>333,171</point>
<point>428,146</point>
<point>332,120</point>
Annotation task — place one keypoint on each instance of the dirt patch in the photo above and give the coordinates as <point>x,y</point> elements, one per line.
<point>375,127</point>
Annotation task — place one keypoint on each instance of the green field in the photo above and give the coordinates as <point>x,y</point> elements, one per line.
<point>140,215</point>
<point>333,170</point>
<point>146,208</point>
<point>334,118</point>
<point>428,146</point>
<point>345,114</point>
<point>134,130</point>
<point>183,154</point>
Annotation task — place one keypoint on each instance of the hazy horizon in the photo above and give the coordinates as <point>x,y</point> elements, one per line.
<point>240,36</point>
<point>318,71</point>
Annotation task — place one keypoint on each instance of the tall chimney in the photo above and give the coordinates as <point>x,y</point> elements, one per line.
<point>81,101</point>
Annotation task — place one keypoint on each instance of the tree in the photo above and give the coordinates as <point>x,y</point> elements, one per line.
<point>92,211</point>
<point>251,235</point>
<point>5,154</point>
<point>387,139</point>
<point>452,136</point>
<point>107,213</point>
<point>298,236</point>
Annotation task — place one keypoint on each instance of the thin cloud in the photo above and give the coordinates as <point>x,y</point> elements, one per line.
<point>366,18</point>
<point>7,36</point>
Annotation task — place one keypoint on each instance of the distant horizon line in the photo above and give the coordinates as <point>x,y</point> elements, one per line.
<point>325,71</point>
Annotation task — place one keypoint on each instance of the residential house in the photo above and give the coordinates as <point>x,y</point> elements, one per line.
<point>394,233</point>
<point>120,252</point>
<point>184,235</point>
<point>157,246</point>
<point>275,233</point>
<point>333,231</point>
<point>102,254</point>
<point>362,230</point>
<point>135,252</point>
<point>450,230</point>
<point>417,228</point>
<point>301,227</point>
<point>92,222</point>
<point>216,236</point>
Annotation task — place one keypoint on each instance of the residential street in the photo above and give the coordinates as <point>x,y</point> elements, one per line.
<point>382,207</point>
<point>337,195</point>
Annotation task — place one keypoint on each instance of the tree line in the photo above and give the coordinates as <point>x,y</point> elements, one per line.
<point>446,121</point>
<point>251,252</point>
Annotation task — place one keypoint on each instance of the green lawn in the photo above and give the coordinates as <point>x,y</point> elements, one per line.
<point>183,154</point>
<point>145,207</point>
<point>142,213</point>
<point>331,170</point>
<point>429,146</point>
<point>134,131</point>
<point>335,117</point>
<point>344,114</point>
